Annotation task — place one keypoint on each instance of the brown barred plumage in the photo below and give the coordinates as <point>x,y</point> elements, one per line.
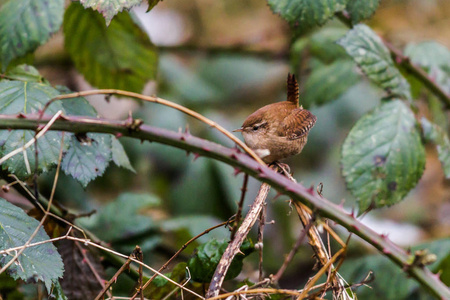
<point>279,130</point>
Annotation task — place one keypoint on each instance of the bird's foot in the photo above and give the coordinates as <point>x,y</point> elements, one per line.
<point>282,168</point>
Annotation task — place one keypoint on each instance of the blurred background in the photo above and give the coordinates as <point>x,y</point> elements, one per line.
<point>226,59</point>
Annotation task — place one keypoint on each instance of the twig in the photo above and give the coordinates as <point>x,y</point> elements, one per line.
<point>176,289</point>
<point>92,268</point>
<point>158,100</point>
<point>33,140</point>
<point>178,252</point>
<point>120,271</point>
<point>240,206</point>
<point>263,290</point>
<point>140,256</point>
<point>320,273</point>
<point>33,235</point>
<point>297,192</point>
<point>113,279</point>
<point>306,217</point>
<point>234,245</point>
<point>26,192</point>
<point>88,242</point>
<point>262,223</point>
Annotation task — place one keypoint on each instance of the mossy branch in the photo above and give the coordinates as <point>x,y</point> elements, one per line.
<point>234,157</point>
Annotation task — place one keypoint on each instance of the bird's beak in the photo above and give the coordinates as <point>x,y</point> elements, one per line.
<point>238,130</point>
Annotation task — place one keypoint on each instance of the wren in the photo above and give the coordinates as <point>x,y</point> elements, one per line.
<point>279,130</point>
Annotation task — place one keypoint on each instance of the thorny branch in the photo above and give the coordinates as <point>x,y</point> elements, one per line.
<point>158,100</point>
<point>235,158</point>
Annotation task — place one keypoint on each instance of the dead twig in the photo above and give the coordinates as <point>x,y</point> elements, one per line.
<point>235,244</point>
<point>116,275</point>
<point>262,223</point>
<point>178,252</point>
<point>320,273</point>
<point>240,206</point>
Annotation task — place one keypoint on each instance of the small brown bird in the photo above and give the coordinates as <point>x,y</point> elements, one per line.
<point>279,130</point>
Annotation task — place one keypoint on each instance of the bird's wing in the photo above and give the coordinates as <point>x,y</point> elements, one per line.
<point>297,124</point>
<point>292,89</point>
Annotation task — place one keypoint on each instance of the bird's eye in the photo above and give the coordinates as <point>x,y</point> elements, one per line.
<point>256,127</point>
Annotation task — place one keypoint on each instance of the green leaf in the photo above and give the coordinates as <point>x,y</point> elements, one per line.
<point>25,73</point>
<point>151,4</point>
<point>26,24</point>
<point>120,219</point>
<point>87,157</point>
<point>326,83</point>
<point>368,51</point>
<point>110,8</point>
<point>306,13</point>
<point>120,56</point>
<point>434,58</point>
<point>57,292</point>
<point>40,262</point>
<point>119,156</point>
<point>361,10</point>
<point>382,156</point>
<point>433,133</point>
<point>429,54</point>
<point>28,97</point>
<point>207,256</point>
<point>437,112</point>
<point>323,44</point>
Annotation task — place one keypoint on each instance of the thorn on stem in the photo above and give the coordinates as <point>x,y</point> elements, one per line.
<point>277,195</point>
<point>133,124</point>
<point>311,190</point>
